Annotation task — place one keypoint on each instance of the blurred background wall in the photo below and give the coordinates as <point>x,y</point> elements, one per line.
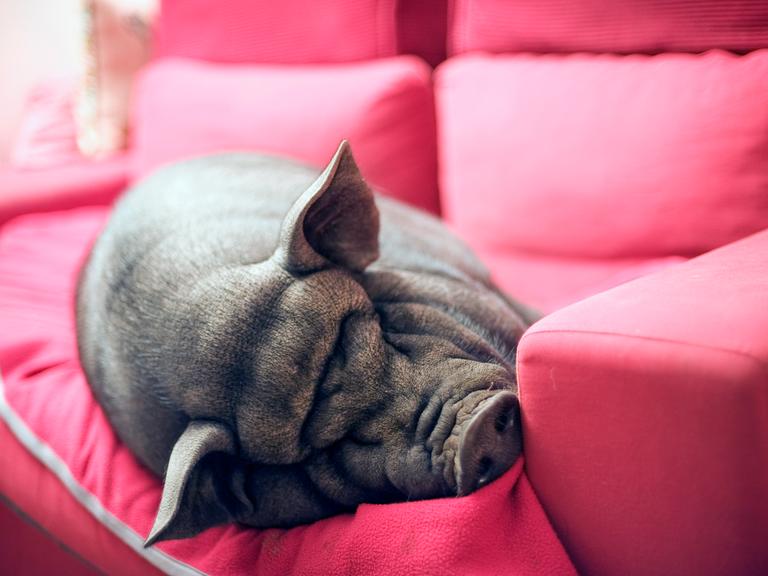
<point>38,39</point>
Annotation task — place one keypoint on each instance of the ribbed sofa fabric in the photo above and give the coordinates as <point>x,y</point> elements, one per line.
<point>607,26</point>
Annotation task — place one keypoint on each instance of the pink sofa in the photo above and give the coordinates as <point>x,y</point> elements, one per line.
<point>605,163</point>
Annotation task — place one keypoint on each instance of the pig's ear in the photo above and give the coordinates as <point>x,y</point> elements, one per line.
<point>204,485</point>
<point>335,220</point>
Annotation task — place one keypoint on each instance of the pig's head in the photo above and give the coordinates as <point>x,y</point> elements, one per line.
<point>365,379</point>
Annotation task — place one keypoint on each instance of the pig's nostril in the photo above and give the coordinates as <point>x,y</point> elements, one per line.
<point>484,468</point>
<point>489,444</point>
<point>501,422</point>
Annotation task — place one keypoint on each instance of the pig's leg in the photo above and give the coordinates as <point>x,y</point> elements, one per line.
<point>284,496</point>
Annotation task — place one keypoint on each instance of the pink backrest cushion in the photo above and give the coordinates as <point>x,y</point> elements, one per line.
<point>607,26</point>
<point>286,32</point>
<point>384,108</point>
<point>604,155</point>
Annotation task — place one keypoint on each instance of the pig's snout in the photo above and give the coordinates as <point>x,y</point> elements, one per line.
<point>489,444</point>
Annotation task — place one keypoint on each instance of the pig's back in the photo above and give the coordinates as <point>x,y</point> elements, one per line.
<point>217,211</point>
<point>227,209</point>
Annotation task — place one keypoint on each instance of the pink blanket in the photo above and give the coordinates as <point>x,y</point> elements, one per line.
<point>46,402</point>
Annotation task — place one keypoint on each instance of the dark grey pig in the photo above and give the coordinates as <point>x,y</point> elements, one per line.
<point>257,338</point>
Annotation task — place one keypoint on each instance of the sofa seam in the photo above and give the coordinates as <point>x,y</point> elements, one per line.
<point>52,462</point>
<point>761,363</point>
<point>29,521</point>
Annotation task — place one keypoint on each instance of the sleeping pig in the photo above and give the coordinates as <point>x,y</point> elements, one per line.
<point>282,346</point>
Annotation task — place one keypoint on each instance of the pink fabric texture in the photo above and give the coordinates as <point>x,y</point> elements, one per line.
<point>549,283</point>
<point>645,421</point>
<point>56,188</point>
<point>285,32</point>
<point>421,29</point>
<point>48,134</point>
<point>29,486</point>
<point>31,552</point>
<point>629,26</point>
<point>604,156</point>
<point>501,529</point>
<point>384,108</point>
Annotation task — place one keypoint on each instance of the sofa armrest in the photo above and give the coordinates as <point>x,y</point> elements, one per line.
<point>61,187</point>
<point>645,419</point>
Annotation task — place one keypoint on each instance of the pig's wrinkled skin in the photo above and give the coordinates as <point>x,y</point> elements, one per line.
<point>254,338</point>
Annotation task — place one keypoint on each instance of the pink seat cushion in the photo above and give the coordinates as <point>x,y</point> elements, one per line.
<point>285,32</point>
<point>608,26</point>
<point>48,406</point>
<point>384,108</point>
<point>604,156</point>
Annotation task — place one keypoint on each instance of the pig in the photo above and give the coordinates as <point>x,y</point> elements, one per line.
<point>281,346</point>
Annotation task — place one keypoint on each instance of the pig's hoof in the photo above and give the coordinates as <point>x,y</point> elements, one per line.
<point>490,443</point>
